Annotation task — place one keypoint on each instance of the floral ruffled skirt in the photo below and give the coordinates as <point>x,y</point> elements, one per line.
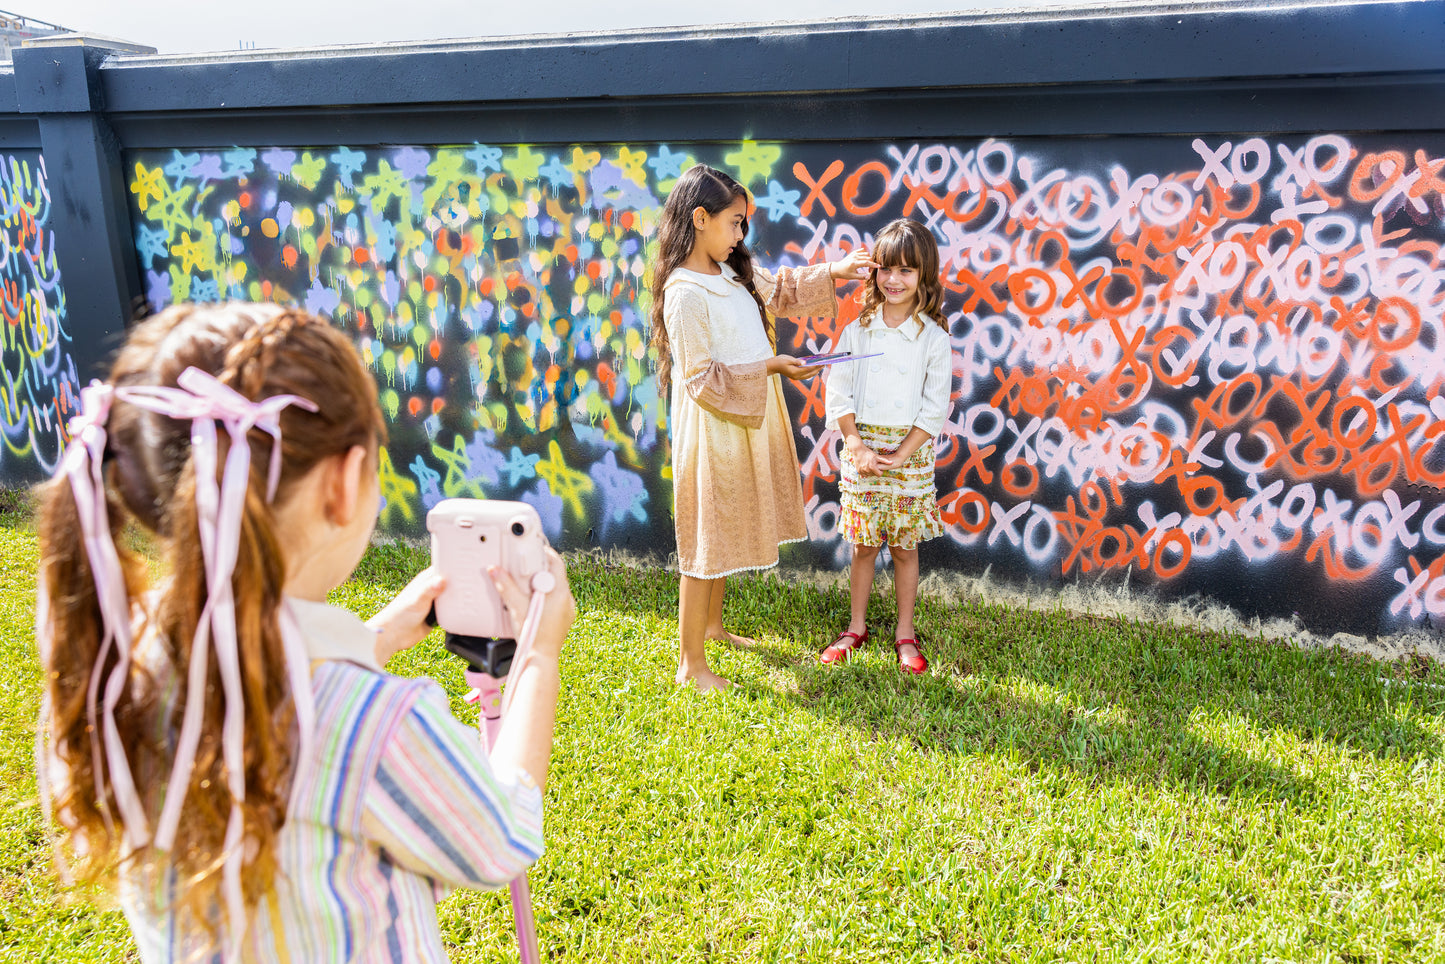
<point>899,507</point>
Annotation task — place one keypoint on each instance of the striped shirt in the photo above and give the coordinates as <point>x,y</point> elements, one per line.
<point>395,806</point>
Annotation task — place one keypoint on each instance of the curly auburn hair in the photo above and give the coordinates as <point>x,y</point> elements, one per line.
<point>260,351</point>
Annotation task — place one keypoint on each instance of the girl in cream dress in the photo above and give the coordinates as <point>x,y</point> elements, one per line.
<point>734,466</point>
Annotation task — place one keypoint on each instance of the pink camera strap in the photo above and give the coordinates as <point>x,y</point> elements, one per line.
<point>493,704</point>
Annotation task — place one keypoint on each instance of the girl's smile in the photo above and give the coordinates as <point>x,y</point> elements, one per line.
<point>899,286</point>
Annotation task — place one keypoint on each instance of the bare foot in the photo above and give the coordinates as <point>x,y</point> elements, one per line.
<point>732,639</point>
<point>705,680</point>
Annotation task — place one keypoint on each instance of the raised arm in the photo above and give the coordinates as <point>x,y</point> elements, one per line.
<point>809,291</point>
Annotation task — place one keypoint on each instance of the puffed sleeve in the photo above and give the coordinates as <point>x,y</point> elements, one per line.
<point>437,808</point>
<point>839,399</point>
<point>735,393</point>
<point>937,381</point>
<point>807,292</point>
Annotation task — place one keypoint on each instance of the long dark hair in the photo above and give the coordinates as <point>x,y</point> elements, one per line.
<point>906,243</point>
<point>712,190</point>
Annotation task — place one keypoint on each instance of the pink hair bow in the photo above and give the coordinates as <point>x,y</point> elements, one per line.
<point>205,400</point>
<point>82,467</point>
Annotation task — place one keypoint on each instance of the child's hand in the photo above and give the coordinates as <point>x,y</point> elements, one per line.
<point>865,460</point>
<point>854,266</point>
<point>402,624</point>
<point>792,368</point>
<point>558,611</point>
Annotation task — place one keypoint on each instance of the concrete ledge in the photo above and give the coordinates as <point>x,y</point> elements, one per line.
<point>1070,46</point>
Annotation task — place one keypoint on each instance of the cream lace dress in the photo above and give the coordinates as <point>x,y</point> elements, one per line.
<point>736,491</point>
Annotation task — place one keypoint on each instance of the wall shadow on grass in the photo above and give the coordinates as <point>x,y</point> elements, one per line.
<point>1128,696</point>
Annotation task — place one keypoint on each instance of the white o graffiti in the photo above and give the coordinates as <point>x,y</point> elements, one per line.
<point>996,177</point>
<point>1341,150</point>
<point>1247,174</point>
<point>1318,228</point>
<point>1040,518</point>
<point>1203,533</point>
<point>970,424</point>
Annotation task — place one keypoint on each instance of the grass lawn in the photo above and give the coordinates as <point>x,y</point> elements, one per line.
<point>1058,788</point>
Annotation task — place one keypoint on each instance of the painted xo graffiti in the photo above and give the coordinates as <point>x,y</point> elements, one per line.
<point>1210,366</point>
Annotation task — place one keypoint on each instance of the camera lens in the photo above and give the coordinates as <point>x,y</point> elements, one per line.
<point>518,528</point>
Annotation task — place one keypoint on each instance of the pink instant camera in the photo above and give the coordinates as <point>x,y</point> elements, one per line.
<point>467,536</point>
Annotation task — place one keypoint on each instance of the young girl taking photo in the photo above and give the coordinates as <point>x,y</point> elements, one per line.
<point>221,748</point>
<point>889,407</point>
<point>734,466</point>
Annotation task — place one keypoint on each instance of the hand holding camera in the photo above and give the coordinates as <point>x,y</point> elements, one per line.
<point>495,557</point>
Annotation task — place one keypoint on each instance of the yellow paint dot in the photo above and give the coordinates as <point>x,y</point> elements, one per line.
<point>596,231</point>
<point>270,228</point>
<point>238,271</point>
<point>582,284</point>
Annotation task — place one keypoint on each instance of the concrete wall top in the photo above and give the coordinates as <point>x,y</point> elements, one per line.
<point>1082,45</point>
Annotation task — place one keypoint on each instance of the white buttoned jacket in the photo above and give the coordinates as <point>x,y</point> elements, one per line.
<point>908,385</point>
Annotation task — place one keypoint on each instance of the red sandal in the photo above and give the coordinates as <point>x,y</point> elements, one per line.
<point>917,665</point>
<point>839,651</point>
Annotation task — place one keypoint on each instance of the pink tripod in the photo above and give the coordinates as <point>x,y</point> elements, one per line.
<point>487,692</point>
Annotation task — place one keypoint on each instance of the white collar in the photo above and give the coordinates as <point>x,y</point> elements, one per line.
<point>911,332</point>
<point>330,632</point>
<point>719,284</point>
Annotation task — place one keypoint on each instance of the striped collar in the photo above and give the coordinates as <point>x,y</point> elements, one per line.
<point>331,632</point>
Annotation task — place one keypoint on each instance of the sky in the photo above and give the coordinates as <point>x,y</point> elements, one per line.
<point>175,28</point>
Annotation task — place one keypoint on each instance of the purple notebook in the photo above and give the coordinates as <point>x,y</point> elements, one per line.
<point>834,358</point>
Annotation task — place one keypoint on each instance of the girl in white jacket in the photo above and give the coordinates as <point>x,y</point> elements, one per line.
<point>890,404</point>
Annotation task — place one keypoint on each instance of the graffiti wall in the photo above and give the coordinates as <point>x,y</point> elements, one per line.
<point>1204,366</point>
<point>38,380</point>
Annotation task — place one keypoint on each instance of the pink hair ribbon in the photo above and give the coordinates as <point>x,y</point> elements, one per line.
<point>82,466</point>
<point>203,399</point>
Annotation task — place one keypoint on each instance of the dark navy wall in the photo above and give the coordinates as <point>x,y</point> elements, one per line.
<point>1192,255</point>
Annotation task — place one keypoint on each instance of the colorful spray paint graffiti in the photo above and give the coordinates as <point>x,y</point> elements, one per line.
<point>1208,365</point>
<point>38,380</point>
